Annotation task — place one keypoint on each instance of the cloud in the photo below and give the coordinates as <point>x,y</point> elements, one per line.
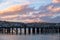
<point>12,9</point>
<point>53,9</point>
<point>30,21</point>
<point>51,12</point>
<point>56,1</point>
<point>7,3</point>
<point>10,16</point>
<point>24,13</point>
<point>32,3</point>
<point>18,13</point>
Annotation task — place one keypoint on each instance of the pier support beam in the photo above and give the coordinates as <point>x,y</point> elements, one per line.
<point>24,30</point>
<point>12,30</point>
<point>56,31</point>
<point>2,30</point>
<point>37,30</point>
<point>16,30</point>
<point>33,30</point>
<point>59,30</point>
<point>8,30</point>
<point>29,30</point>
<point>20,31</point>
<point>41,30</point>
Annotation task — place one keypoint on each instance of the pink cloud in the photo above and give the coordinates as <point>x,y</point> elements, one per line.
<point>32,20</point>
<point>53,9</point>
<point>56,1</point>
<point>22,13</point>
<point>14,8</point>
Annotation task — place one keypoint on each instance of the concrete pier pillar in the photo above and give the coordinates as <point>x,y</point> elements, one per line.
<point>8,30</point>
<point>29,30</point>
<point>33,30</point>
<point>20,31</point>
<point>24,30</point>
<point>12,30</point>
<point>41,30</point>
<point>2,30</point>
<point>37,30</point>
<point>16,30</point>
<point>59,30</point>
<point>55,30</point>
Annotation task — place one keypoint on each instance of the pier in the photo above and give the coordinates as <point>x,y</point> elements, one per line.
<point>29,30</point>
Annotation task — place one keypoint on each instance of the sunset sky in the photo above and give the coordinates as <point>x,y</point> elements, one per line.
<point>30,10</point>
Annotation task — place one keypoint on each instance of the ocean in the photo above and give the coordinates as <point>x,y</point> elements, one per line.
<point>30,37</point>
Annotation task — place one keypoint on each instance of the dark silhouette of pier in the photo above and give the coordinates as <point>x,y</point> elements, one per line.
<point>35,30</point>
<point>28,28</point>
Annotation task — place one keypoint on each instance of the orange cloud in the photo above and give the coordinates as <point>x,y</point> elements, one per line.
<point>13,8</point>
<point>30,21</point>
<point>53,9</point>
<point>56,1</point>
<point>26,16</point>
<point>11,16</point>
<point>26,21</point>
<point>43,15</point>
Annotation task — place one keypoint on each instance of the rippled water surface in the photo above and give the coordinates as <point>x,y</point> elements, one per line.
<point>30,37</point>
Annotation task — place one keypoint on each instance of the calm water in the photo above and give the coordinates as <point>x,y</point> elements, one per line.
<point>30,37</point>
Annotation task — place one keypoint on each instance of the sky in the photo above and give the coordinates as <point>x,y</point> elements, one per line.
<point>30,10</point>
<point>32,3</point>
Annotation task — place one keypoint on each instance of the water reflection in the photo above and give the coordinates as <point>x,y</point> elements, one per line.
<point>30,37</point>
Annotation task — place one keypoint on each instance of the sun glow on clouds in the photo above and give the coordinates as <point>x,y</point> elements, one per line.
<point>5,17</point>
<point>56,1</point>
<point>7,3</point>
<point>54,9</point>
<point>24,10</point>
<point>13,8</point>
